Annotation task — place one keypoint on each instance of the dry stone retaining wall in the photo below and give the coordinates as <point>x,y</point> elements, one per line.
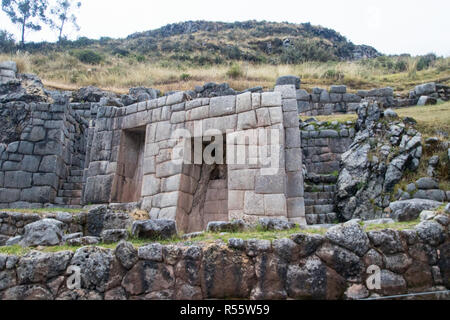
<point>305,266</point>
<point>41,163</point>
<point>322,152</point>
<point>337,100</point>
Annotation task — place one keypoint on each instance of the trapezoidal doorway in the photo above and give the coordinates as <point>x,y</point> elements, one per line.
<point>208,191</point>
<point>128,181</point>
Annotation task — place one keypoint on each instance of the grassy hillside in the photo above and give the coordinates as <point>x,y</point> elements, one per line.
<point>244,54</point>
<point>62,70</point>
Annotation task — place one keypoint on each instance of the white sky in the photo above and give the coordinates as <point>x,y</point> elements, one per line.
<point>391,26</point>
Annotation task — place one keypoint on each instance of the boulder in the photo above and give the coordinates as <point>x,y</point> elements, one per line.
<point>409,210</point>
<point>154,229</point>
<point>45,232</point>
<point>312,279</point>
<point>427,184</point>
<point>268,224</point>
<point>350,236</point>
<point>427,215</point>
<point>95,264</point>
<point>426,100</point>
<point>222,226</point>
<point>425,89</point>
<point>114,235</point>
<point>389,113</point>
<point>3,240</point>
<point>431,232</point>
<point>127,254</point>
<point>13,241</point>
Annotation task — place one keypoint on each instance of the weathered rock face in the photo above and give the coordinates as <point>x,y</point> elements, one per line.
<point>409,210</point>
<point>382,150</point>
<point>306,266</point>
<point>46,232</point>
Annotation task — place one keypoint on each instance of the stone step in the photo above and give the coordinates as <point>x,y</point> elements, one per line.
<point>76,172</point>
<point>328,218</point>
<point>70,193</point>
<point>320,188</point>
<point>319,195</point>
<point>318,202</point>
<point>75,179</point>
<point>319,209</point>
<point>72,186</point>
<point>321,178</point>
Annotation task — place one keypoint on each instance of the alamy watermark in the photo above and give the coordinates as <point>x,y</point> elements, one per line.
<point>261,147</point>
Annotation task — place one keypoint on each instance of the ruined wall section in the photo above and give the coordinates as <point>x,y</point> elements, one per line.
<point>338,100</point>
<point>322,152</point>
<point>168,188</point>
<point>303,267</point>
<point>35,167</point>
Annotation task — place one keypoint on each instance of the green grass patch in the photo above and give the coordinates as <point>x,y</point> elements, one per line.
<point>45,210</point>
<point>209,237</point>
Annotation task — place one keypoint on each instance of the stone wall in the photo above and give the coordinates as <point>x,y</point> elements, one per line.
<point>334,266</point>
<point>8,71</point>
<point>337,100</point>
<point>88,224</point>
<point>168,188</point>
<point>41,158</point>
<point>323,145</point>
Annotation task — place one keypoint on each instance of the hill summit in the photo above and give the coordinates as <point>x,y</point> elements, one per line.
<point>255,41</point>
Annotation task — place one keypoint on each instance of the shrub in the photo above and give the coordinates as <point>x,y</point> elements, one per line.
<point>426,61</point>
<point>7,43</point>
<point>235,71</point>
<point>185,77</point>
<point>89,57</point>
<point>333,75</point>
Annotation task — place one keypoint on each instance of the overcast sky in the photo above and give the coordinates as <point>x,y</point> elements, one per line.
<point>391,26</point>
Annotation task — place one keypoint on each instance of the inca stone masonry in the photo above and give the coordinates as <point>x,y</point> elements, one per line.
<point>93,147</point>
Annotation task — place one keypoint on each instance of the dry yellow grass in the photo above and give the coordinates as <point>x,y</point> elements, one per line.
<point>429,118</point>
<point>61,70</point>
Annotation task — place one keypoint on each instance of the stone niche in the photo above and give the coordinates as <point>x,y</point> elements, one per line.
<point>139,143</point>
<point>128,180</point>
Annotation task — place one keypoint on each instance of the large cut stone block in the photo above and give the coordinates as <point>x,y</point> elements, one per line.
<point>9,195</point>
<point>276,115</point>
<point>236,200</point>
<point>294,184</point>
<point>271,99</point>
<point>150,185</point>
<point>222,106</point>
<point>38,195</point>
<point>270,184</point>
<point>247,120</point>
<point>168,169</point>
<point>275,205</point>
<point>293,160</point>
<point>287,91</point>
<point>293,138</point>
<point>296,207</point>
<point>242,179</point>
<point>244,102</point>
<point>18,179</point>
<point>254,203</point>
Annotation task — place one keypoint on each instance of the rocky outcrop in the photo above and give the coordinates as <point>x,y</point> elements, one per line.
<point>376,161</point>
<point>305,266</point>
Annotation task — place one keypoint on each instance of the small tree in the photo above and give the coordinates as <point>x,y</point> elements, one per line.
<point>28,14</point>
<point>63,12</point>
<point>7,43</point>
